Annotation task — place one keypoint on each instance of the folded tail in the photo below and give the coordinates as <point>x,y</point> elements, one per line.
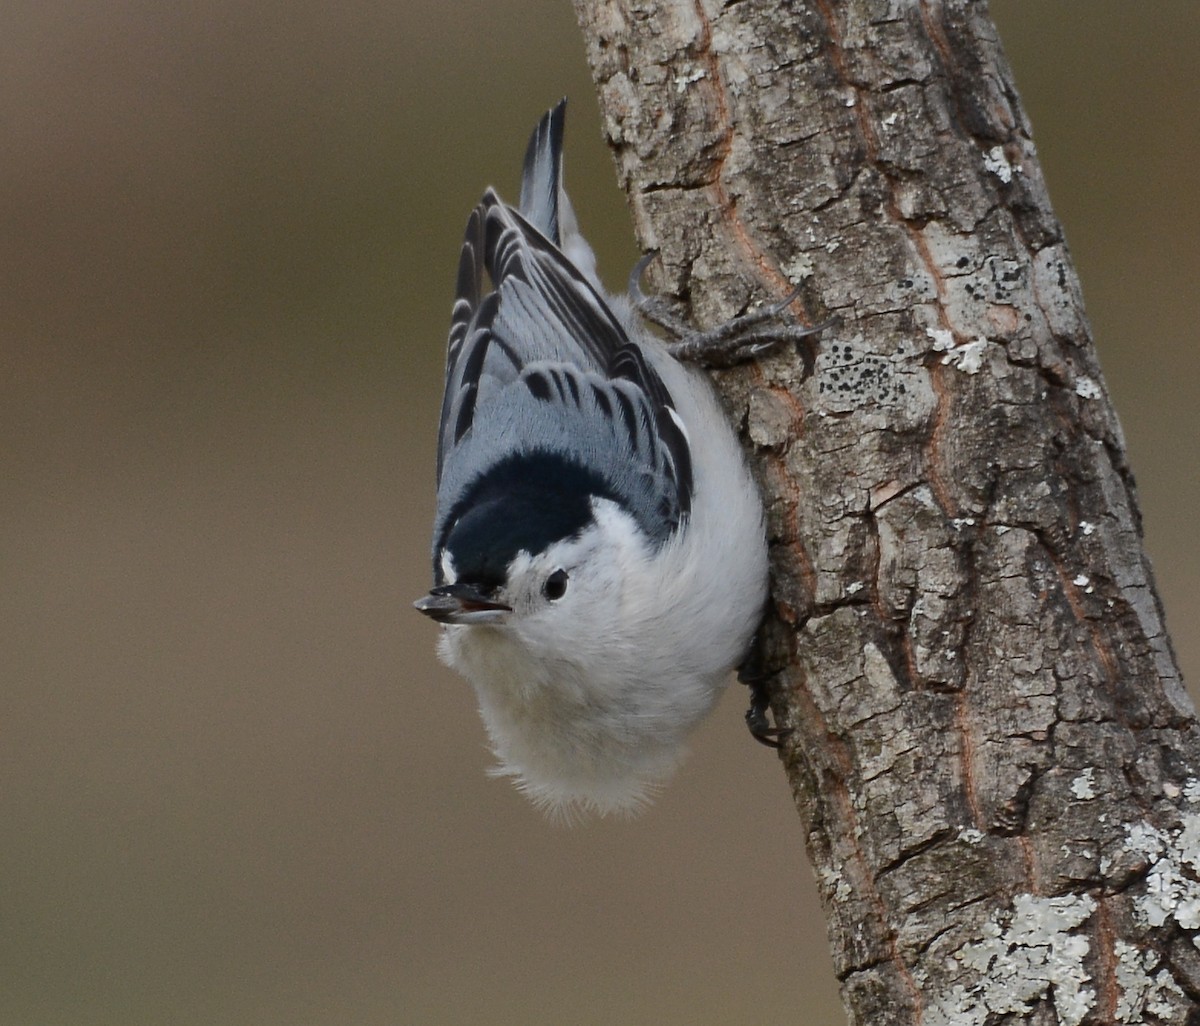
<point>544,201</point>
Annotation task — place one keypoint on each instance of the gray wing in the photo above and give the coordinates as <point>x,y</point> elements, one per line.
<point>541,364</point>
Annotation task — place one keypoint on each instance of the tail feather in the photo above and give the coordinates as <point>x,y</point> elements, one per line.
<point>541,180</point>
<point>544,201</point>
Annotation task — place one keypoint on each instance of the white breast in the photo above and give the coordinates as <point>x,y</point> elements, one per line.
<point>590,713</point>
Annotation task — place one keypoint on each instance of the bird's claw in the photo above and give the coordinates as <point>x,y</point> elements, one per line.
<point>734,341</point>
<point>752,672</point>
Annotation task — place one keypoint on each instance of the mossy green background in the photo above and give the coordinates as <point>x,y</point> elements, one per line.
<point>236,787</point>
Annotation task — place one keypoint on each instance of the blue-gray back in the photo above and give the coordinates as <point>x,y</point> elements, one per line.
<point>540,364</point>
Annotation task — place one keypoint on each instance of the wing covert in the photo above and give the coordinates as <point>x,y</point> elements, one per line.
<point>541,363</point>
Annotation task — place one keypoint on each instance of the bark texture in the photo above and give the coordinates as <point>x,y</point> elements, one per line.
<point>993,752</point>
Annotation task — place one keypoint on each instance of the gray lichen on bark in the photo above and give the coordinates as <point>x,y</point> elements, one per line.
<point>992,750</point>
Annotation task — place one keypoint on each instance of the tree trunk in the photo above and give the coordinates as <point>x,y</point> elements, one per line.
<point>993,754</point>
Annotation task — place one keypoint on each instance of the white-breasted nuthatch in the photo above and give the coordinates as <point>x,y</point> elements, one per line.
<point>599,549</point>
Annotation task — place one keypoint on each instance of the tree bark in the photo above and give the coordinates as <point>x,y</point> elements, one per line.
<point>995,759</point>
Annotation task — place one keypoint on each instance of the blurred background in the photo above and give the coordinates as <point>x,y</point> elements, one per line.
<point>236,786</point>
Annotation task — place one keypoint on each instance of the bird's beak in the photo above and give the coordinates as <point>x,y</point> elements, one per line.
<point>462,603</point>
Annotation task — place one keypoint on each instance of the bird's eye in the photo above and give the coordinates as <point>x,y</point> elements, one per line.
<point>555,586</point>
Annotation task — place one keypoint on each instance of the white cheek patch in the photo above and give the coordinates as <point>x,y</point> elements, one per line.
<point>449,575</point>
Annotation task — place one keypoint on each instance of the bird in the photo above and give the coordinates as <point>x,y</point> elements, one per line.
<point>599,551</point>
